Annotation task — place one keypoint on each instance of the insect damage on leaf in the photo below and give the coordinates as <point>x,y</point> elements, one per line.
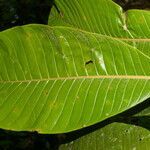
<point>89,62</point>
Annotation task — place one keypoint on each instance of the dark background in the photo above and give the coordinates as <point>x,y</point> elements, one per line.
<point>20,12</point>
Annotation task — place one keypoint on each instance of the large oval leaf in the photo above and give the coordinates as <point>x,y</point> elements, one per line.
<point>59,79</point>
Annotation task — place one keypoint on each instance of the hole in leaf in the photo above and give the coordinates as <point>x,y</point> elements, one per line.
<point>89,62</point>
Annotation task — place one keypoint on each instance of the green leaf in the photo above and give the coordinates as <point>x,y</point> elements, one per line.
<point>114,136</point>
<point>107,18</point>
<point>58,79</point>
<point>123,131</point>
<point>66,77</point>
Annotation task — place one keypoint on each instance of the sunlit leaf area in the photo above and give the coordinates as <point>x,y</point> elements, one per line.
<point>75,75</point>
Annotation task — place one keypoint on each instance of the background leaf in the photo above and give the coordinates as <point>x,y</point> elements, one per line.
<point>107,18</point>
<point>124,131</point>
<point>114,136</point>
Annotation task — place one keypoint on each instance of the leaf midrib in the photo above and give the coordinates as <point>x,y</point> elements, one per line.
<point>81,77</point>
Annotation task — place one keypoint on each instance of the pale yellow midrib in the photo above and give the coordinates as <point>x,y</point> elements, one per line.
<point>81,77</point>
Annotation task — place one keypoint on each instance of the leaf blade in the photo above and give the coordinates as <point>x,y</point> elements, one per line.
<point>33,99</point>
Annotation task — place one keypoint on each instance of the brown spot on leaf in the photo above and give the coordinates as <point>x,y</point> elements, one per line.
<point>45,92</point>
